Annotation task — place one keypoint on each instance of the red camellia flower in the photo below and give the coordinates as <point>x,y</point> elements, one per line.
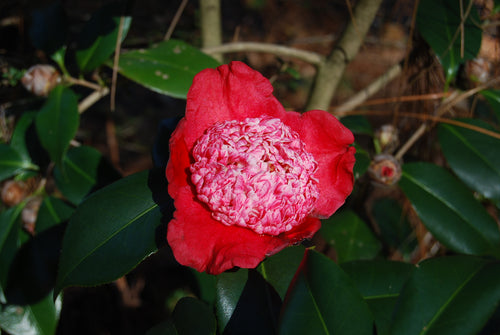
<point>247,177</point>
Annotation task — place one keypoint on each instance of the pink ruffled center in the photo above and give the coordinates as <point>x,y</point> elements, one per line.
<point>256,174</point>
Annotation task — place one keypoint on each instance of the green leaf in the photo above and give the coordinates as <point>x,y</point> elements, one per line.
<point>493,97</point>
<point>18,139</point>
<point>109,234</point>
<point>97,40</point>
<point>52,212</point>
<point>7,219</point>
<point>193,317</point>
<point>350,236</point>
<point>450,295</point>
<point>8,247</point>
<point>57,122</point>
<point>206,286</point>
<point>37,319</point>
<point>167,68</point>
<point>78,174</point>
<point>246,301</point>
<point>230,286</point>
<point>448,209</point>
<point>279,269</point>
<point>363,161</point>
<point>439,22</point>
<point>11,162</point>
<point>379,282</point>
<point>323,300</point>
<point>358,124</point>
<point>395,230</point>
<point>474,157</point>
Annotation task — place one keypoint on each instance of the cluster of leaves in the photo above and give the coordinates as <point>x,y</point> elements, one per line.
<point>88,234</point>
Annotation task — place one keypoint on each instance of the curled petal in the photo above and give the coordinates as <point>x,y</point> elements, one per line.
<point>330,143</point>
<point>230,92</point>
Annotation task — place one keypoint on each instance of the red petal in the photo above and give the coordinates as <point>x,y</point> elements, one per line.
<point>199,241</point>
<point>230,92</point>
<point>179,161</point>
<point>329,142</point>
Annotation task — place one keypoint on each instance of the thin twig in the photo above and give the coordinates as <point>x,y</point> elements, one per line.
<point>406,98</point>
<point>92,98</point>
<point>82,82</point>
<point>278,50</point>
<point>115,64</point>
<point>368,91</point>
<point>175,20</point>
<point>427,117</point>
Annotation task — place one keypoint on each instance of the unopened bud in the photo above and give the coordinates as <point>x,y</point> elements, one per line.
<point>41,79</point>
<point>385,169</point>
<point>30,214</point>
<point>388,138</point>
<point>13,192</point>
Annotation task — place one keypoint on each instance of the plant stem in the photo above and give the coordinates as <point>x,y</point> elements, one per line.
<point>368,91</point>
<point>278,50</point>
<point>211,26</point>
<point>330,73</point>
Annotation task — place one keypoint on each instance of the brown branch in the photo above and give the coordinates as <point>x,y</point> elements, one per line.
<point>330,73</point>
<point>278,50</point>
<point>175,20</point>
<point>211,26</point>
<point>368,91</point>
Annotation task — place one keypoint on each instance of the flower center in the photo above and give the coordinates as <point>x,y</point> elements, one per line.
<point>255,174</point>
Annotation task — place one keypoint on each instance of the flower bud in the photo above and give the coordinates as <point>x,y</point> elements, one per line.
<point>30,214</point>
<point>41,79</point>
<point>385,169</point>
<point>388,137</point>
<point>13,192</point>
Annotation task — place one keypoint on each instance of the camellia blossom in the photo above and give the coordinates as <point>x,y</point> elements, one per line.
<point>247,177</point>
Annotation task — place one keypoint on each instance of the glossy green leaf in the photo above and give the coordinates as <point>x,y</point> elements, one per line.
<point>37,319</point>
<point>379,282</point>
<point>206,286</point>
<point>79,173</point>
<point>395,230</point>
<point>279,269</point>
<point>246,301</point>
<point>18,139</point>
<point>52,212</point>
<point>493,97</point>
<point>450,295</point>
<point>109,234</point>
<point>167,67</point>
<point>97,40</point>
<point>323,300</point>
<point>8,230</point>
<point>350,236</point>
<point>363,161</point>
<point>474,157</point>
<point>11,162</point>
<point>448,209</point>
<point>193,317</point>
<point>358,124</point>
<point>57,122</point>
<point>439,23</point>
<point>7,219</point>
<point>230,286</point>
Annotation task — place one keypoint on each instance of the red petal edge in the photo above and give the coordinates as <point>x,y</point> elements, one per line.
<point>199,241</point>
<point>329,141</point>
